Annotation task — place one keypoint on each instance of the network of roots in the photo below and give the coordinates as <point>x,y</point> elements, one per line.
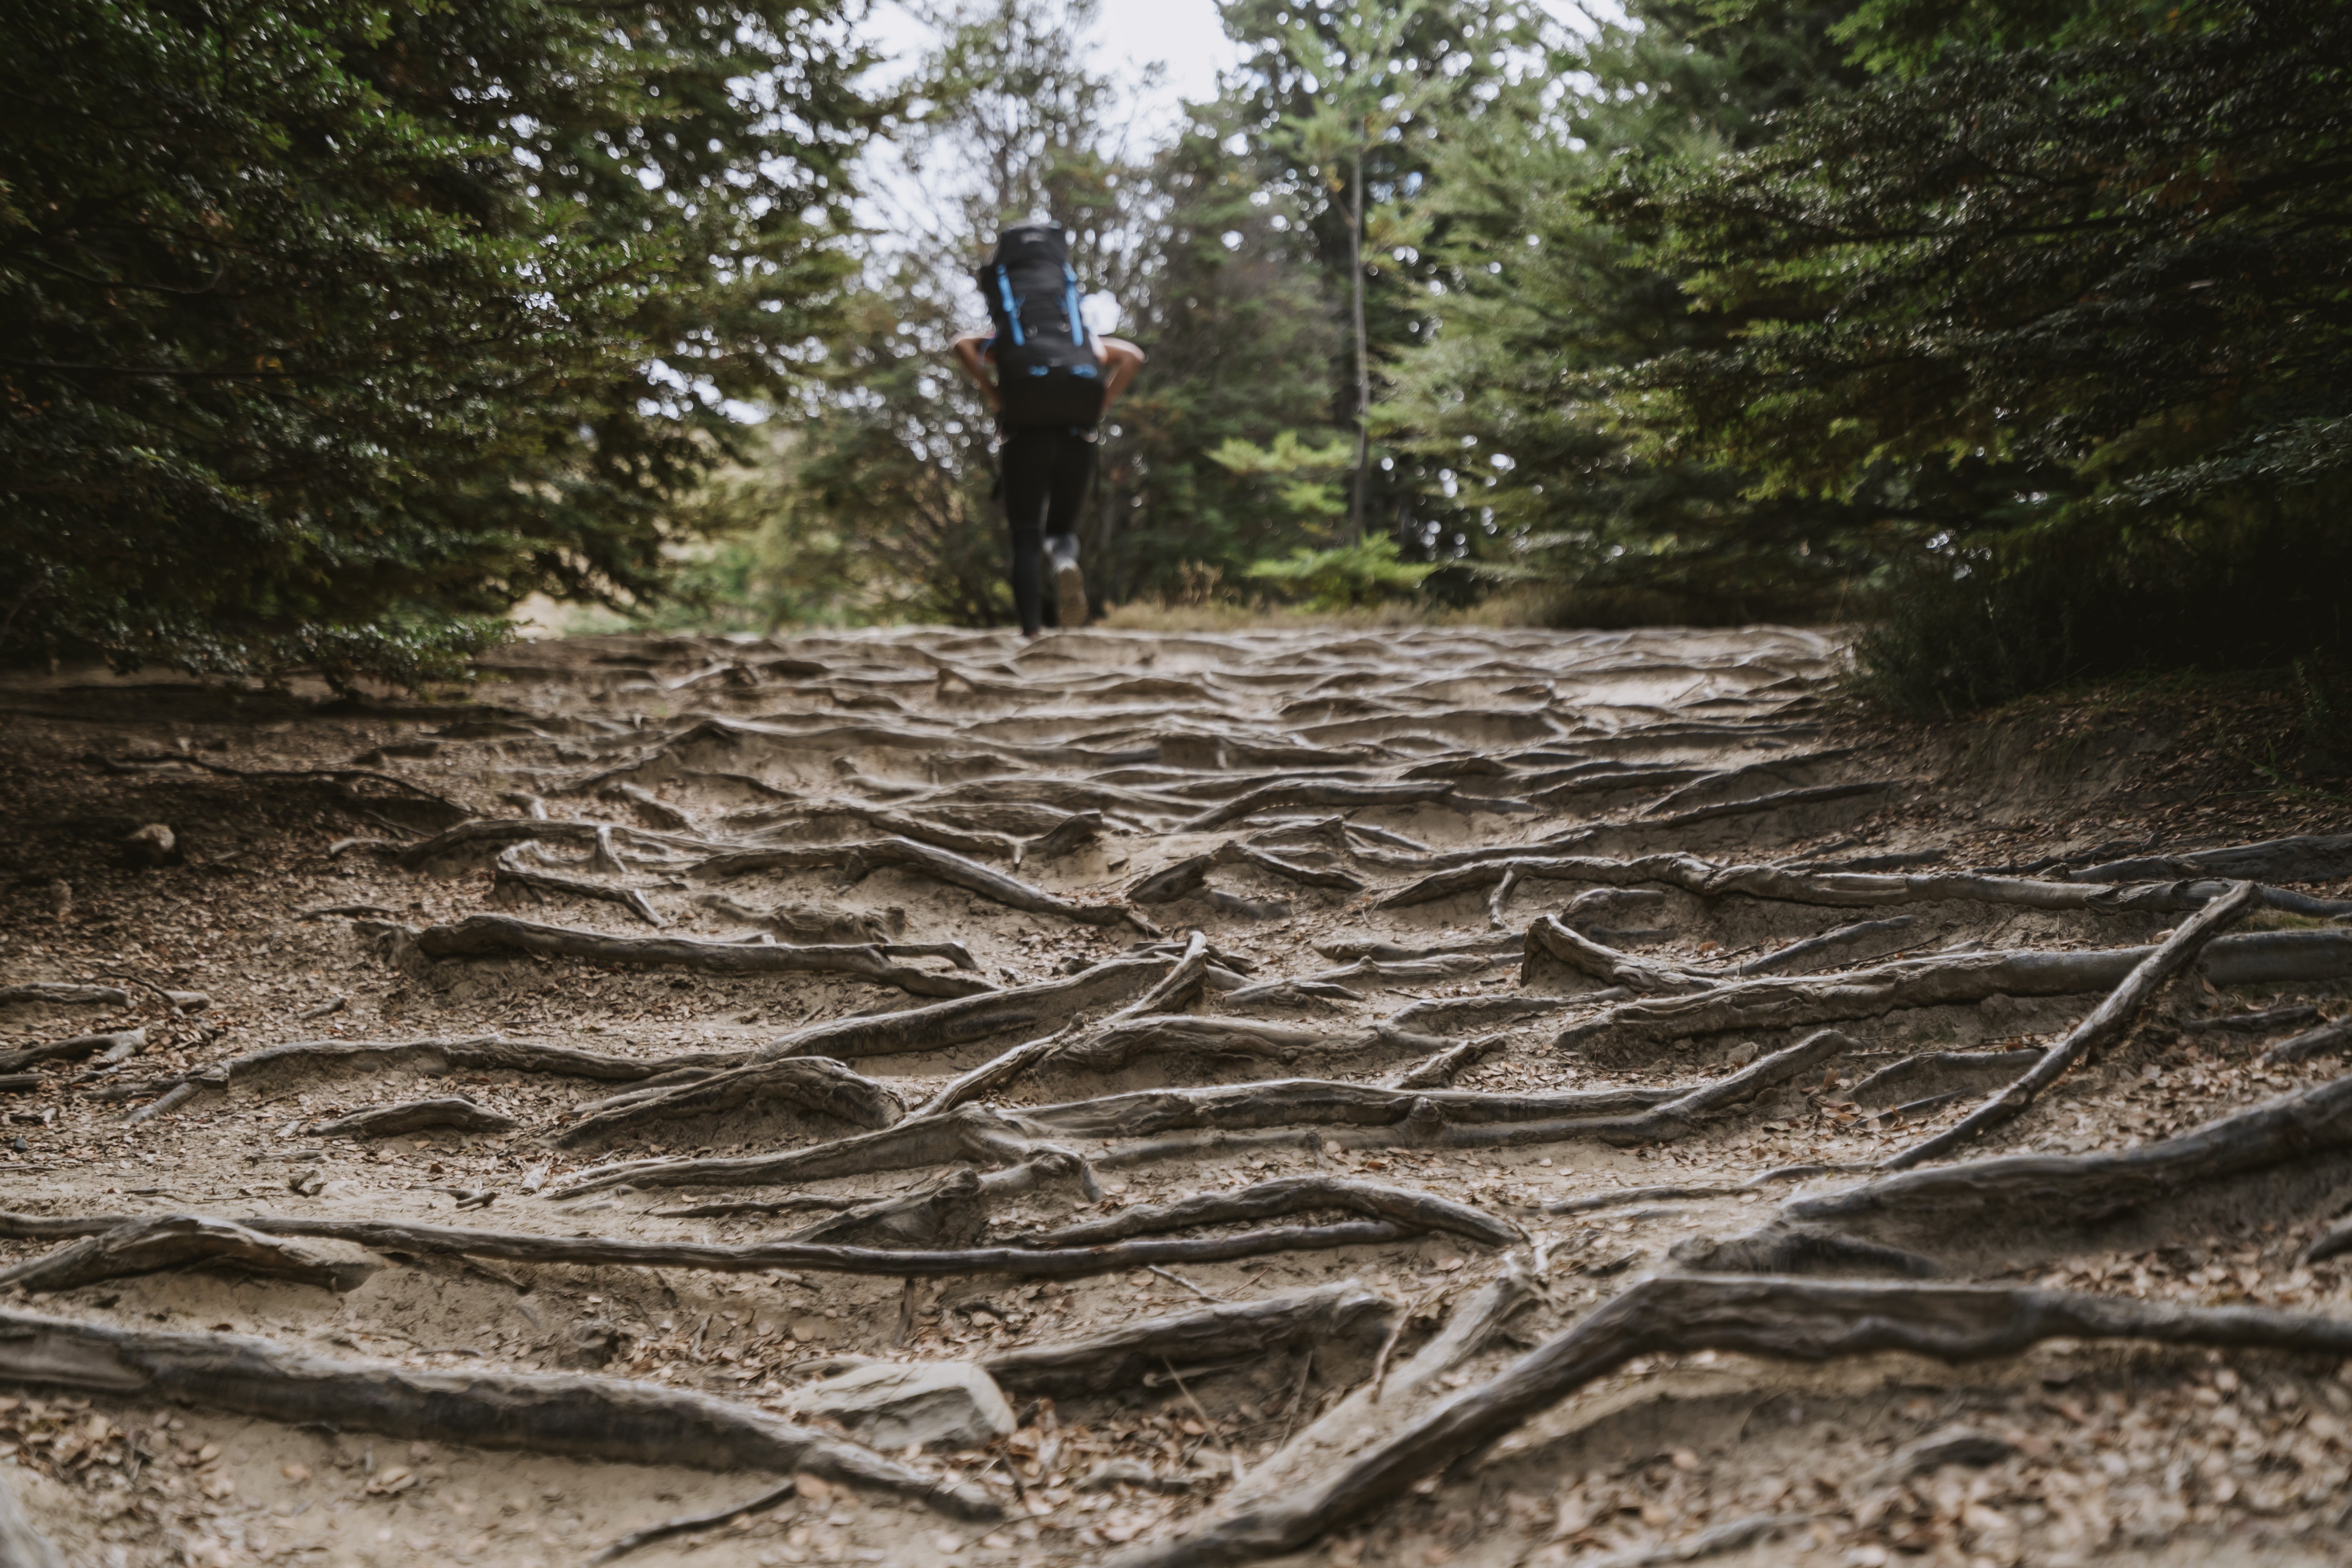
<point>1403,1096</point>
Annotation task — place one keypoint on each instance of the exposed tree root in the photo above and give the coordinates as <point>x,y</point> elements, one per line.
<point>687,1524</point>
<point>65,991</point>
<point>479,935</point>
<point>182,1241</point>
<point>2328,1039</point>
<point>1285,1195</point>
<point>1791,1320</point>
<point>1777,801</point>
<point>1190,875</point>
<point>119,1046</point>
<point>2269,1021</point>
<point>1317,792</point>
<point>454,1112</point>
<point>1441,1067</point>
<point>2109,1021</point>
<point>2306,858</point>
<point>607,1418</point>
<point>1438,1117</point>
<point>485,833</point>
<point>1935,1063</point>
<point>1557,939</point>
<point>510,871</point>
<point>1337,1314</point>
<point>942,1025</point>
<point>813,1083</point>
<point>808,817</point>
<point>1173,1036</point>
<point>1851,890</point>
<point>950,1211</point>
<point>1373,1409</point>
<point>1843,936</point>
<point>859,860</point>
<point>1942,980</point>
<point>2041,1197</point>
<point>1181,984</point>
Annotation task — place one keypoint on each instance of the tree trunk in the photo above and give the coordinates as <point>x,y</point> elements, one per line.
<point>1363,368</point>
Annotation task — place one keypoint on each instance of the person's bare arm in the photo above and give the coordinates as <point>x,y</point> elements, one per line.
<point>968,354</point>
<point>1122,359</point>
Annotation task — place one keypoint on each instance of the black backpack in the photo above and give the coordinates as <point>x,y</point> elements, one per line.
<point>1046,366</point>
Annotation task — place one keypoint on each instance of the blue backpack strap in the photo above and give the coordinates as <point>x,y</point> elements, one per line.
<point>1011,310</point>
<point>1070,305</point>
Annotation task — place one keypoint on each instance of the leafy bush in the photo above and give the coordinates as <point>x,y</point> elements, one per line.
<point>1344,576</point>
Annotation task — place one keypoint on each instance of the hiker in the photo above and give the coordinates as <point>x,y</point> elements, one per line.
<point>1054,380</point>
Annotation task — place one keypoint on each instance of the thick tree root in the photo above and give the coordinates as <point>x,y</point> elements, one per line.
<point>479,936</point>
<point>1363,1115</point>
<point>1181,984</point>
<point>56,992</point>
<point>1287,1196</point>
<point>1785,1320</point>
<point>182,1241</point>
<point>1337,1314</point>
<point>2110,1021</point>
<point>1769,1002</point>
<point>454,1112</point>
<point>813,1083</point>
<point>2041,1199</point>
<point>1555,939</point>
<point>119,1046</point>
<point>608,1418</point>
<point>1374,1408</point>
<point>1020,1262</point>
<point>939,1025</point>
<point>1847,889</point>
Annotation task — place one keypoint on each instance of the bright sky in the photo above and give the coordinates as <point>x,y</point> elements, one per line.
<point>1183,35</point>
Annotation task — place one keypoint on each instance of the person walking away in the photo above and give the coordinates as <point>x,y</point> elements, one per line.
<point>1054,380</point>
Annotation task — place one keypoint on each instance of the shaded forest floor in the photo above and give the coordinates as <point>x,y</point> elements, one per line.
<point>1368,830</point>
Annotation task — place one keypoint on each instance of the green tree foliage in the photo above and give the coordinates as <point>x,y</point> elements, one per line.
<point>1241,334</point>
<point>323,328</point>
<point>1543,308</point>
<point>1343,111</point>
<point>2075,280</point>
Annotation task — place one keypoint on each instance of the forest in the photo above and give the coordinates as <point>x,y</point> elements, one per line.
<point>2013,333</point>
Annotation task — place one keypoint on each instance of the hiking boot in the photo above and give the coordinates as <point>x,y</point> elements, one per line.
<point>1069,583</point>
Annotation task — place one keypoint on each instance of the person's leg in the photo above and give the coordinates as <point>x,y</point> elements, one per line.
<point>1072,470</point>
<point>1026,467</point>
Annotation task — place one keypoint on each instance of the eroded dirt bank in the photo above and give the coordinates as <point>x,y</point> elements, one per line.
<point>1402,1098</point>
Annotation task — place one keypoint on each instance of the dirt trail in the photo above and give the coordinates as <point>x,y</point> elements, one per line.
<point>1246,1048</point>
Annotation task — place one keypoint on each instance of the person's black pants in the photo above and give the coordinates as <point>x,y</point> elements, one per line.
<point>1044,470</point>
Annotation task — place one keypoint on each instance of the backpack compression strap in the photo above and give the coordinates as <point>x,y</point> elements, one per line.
<point>1011,310</point>
<point>1070,306</point>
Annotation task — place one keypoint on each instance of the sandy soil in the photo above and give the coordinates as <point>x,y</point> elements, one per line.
<point>292,897</point>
